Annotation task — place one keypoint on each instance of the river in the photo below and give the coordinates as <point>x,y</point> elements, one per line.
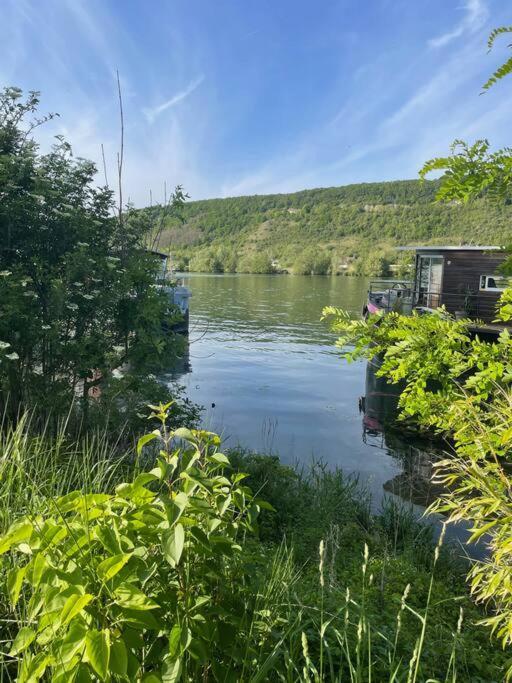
<point>266,369</point>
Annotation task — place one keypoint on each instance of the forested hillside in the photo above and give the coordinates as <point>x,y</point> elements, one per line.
<point>350,229</point>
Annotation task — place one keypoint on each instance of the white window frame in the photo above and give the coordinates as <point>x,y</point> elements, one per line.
<point>491,289</point>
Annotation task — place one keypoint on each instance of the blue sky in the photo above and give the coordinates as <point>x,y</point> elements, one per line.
<point>231,97</point>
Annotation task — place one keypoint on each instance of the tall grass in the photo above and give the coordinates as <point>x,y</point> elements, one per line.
<point>318,643</point>
<point>37,466</point>
<point>334,593</point>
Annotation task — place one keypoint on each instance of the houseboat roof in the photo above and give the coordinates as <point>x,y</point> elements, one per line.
<point>461,247</point>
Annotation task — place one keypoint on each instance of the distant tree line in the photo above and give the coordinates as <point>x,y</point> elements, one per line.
<point>340,230</point>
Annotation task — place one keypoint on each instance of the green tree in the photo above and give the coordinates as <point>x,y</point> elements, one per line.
<point>312,262</point>
<point>77,294</point>
<point>376,264</point>
<point>256,263</point>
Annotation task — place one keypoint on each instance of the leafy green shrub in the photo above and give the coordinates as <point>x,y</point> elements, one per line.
<point>312,262</point>
<point>146,581</point>
<point>259,264</point>
<point>71,314</point>
<point>459,386</point>
<point>243,609</point>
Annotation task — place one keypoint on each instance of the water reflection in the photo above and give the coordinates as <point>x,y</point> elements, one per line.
<point>267,371</point>
<point>416,456</point>
<point>414,482</point>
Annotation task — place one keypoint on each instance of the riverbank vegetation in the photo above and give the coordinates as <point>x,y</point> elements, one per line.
<point>164,565</point>
<point>79,308</point>
<point>458,386</point>
<point>354,229</point>
<point>456,382</point>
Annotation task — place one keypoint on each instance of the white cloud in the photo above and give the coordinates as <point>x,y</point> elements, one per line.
<point>151,114</point>
<point>476,14</point>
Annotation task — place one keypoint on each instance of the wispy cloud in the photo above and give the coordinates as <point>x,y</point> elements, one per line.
<point>475,15</point>
<point>151,114</point>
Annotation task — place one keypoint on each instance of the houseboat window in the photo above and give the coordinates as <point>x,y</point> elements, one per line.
<point>494,283</point>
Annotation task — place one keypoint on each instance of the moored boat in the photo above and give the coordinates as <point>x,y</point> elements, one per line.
<point>465,280</point>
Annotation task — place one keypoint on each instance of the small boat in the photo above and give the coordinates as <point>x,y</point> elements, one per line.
<point>176,291</point>
<point>389,295</point>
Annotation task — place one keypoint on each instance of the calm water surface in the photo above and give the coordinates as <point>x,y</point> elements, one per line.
<point>266,369</point>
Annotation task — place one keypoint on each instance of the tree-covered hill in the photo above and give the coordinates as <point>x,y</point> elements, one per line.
<point>351,229</point>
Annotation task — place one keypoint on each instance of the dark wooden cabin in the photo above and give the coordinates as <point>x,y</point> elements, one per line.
<point>464,279</point>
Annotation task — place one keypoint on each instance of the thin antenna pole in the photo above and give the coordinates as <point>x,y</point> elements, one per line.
<point>104,164</point>
<point>120,154</point>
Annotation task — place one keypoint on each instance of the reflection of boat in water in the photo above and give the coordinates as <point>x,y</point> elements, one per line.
<point>379,405</point>
<point>416,455</point>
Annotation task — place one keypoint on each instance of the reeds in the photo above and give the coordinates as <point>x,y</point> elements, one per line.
<point>320,644</point>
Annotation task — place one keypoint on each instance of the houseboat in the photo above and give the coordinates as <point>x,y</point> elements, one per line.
<point>463,279</point>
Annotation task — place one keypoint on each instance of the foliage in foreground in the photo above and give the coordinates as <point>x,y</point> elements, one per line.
<point>116,579</point>
<point>460,386</point>
<point>164,578</point>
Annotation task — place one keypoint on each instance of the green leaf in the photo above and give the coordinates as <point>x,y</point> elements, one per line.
<point>133,666</point>
<point>109,539</point>
<point>52,534</point>
<point>142,479</point>
<point>24,638</point>
<point>18,532</point>
<point>175,641</point>
<point>33,668</point>
<point>220,458</point>
<point>71,501</point>
<point>481,531</point>
<point>111,566</point>
<point>73,606</point>
<point>73,643</point>
<point>223,502</point>
<point>177,506</point>
<point>172,544</point>
<point>179,640</point>
<point>129,596</point>
<point>140,619</point>
<point>264,505</point>
<point>15,582</point>
<point>63,673</point>
<point>151,678</point>
<point>200,536</point>
<point>83,674</point>
<point>38,568</point>
<point>171,670</point>
<point>97,650</point>
<point>146,439</point>
<point>119,658</point>
<point>184,433</point>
